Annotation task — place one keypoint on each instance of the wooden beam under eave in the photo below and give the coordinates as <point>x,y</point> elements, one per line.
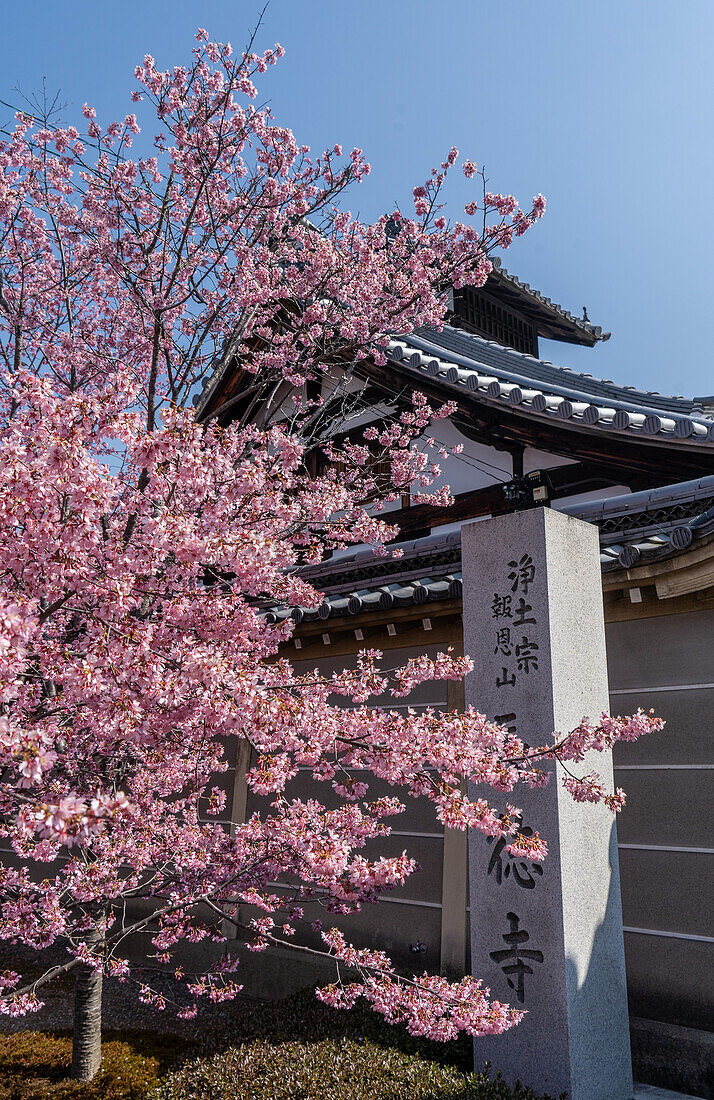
<point>684,581</point>
<point>446,625</point>
<point>618,608</point>
<point>566,480</point>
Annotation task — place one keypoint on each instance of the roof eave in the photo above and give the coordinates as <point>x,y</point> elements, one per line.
<point>551,321</point>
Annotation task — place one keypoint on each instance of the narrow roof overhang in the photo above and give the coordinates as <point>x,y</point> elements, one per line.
<point>506,398</point>
<point>551,321</point>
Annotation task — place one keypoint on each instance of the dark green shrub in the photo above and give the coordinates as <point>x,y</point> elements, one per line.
<point>298,1049</point>
<point>329,1069</point>
<point>302,1018</point>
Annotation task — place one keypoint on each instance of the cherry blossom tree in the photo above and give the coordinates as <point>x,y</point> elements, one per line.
<point>140,548</point>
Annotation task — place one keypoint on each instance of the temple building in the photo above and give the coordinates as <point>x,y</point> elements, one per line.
<point>638,465</point>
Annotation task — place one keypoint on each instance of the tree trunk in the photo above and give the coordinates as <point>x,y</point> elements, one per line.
<point>87,1033</point>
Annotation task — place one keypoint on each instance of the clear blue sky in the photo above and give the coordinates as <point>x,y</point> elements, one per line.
<point>605,107</point>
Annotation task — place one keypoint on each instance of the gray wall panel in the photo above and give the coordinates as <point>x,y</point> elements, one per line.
<point>670,649</point>
<point>423,885</point>
<point>388,926</point>
<point>667,807</point>
<point>428,692</point>
<point>391,927</point>
<point>670,980</point>
<point>668,891</point>
<point>687,738</point>
<point>419,814</point>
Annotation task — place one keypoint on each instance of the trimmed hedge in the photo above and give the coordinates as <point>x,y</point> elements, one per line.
<point>327,1070</point>
<point>298,1049</point>
<point>295,1049</point>
<point>302,1018</point>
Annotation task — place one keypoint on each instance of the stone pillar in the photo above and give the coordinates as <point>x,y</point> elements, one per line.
<point>546,937</point>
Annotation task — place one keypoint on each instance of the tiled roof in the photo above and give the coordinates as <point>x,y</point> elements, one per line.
<point>638,528</point>
<point>498,375</point>
<point>635,529</point>
<point>525,289</point>
<point>382,598</point>
<point>429,569</point>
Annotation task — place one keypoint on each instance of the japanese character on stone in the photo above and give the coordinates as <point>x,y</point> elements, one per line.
<point>505,865</point>
<point>505,680</point>
<point>508,721</point>
<point>512,960</point>
<point>522,573</point>
<point>522,617</point>
<point>503,641</point>
<point>527,655</point>
<point>501,606</point>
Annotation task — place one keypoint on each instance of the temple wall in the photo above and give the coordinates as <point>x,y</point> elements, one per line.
<point>411,914</point>
<point>666,835</point>
<point>666,832</point>
<point>476,467</point>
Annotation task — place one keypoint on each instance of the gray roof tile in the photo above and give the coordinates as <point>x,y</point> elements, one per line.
<point>635,529</point>
<point>498,374</point>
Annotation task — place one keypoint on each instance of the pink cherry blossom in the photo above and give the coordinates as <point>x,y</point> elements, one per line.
<point>144,553</point>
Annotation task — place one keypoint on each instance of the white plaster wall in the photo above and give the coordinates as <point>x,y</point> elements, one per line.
<point>543,460</point>
<point>477,466</point>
